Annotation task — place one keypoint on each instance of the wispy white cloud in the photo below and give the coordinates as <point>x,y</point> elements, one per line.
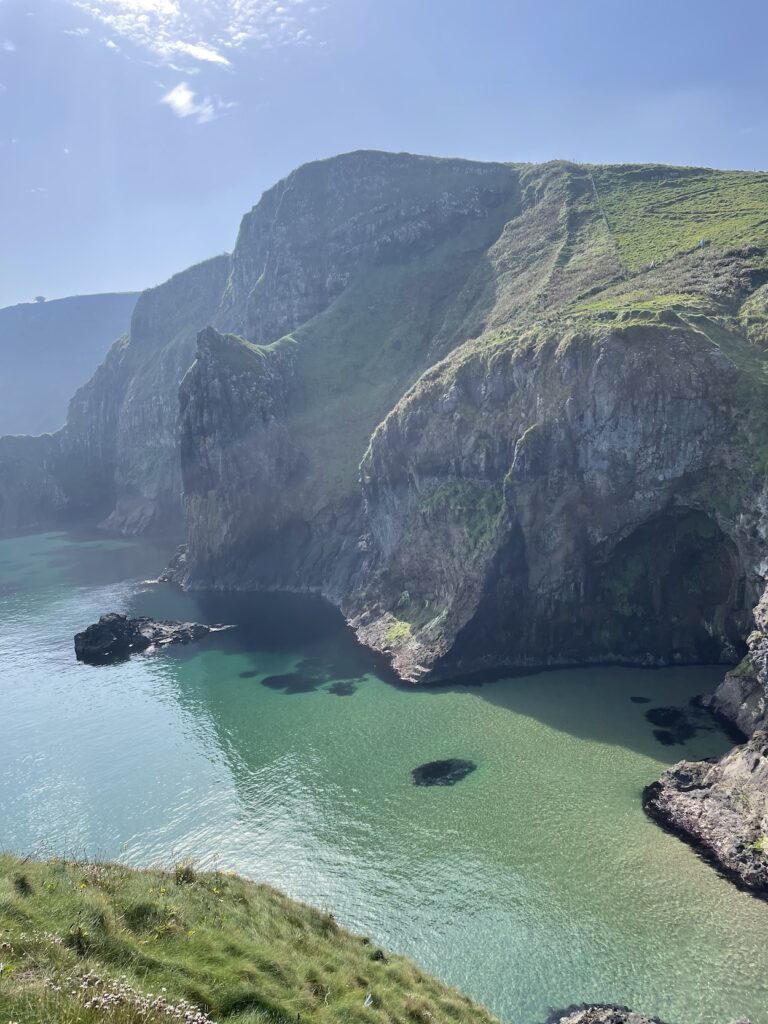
<point>205,30</point>
<point>201,52</point>
<point>184,102</point>
<point>9,46</point>
<point>77,31</point>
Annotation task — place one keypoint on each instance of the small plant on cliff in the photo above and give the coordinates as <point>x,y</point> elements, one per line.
<point>398,633</point>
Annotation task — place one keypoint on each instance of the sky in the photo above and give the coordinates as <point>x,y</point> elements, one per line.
<point>134,134</point>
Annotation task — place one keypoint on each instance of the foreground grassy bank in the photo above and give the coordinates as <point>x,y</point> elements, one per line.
<point>83,942</point>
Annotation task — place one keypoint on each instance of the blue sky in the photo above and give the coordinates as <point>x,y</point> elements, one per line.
<point>135,133</point>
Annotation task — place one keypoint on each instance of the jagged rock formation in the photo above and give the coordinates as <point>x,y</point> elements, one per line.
<point>498,414</point>
<point>115,637</point>
<point>721,808</point>
<point>48,349</point>
<point>599,1014</point>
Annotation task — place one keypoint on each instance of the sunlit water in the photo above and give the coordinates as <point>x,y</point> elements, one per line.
<point>533,883</point>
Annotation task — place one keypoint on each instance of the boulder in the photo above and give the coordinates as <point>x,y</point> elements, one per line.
<point>115,637</point>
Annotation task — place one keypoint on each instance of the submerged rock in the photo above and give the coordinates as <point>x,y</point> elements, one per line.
<point>721,808</point>
<point>442,773</point>
<point>343,688</point>
<point>115,637</point>
<point>674,724</point>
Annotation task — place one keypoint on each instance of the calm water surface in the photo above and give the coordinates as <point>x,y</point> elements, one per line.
<point>535,882</point>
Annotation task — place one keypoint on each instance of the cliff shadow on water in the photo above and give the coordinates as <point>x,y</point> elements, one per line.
<point>615,705</point>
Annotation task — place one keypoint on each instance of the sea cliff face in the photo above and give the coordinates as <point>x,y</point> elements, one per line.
<point>116,459</point>
<point>499,414</point>
<point>561,500</point>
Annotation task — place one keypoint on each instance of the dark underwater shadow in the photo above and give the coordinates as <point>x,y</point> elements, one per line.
<point>653,711</point>
<point>611,705</point>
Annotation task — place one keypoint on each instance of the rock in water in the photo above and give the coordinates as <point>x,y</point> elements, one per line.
<point>721,808</point>
<point>115,637</point>
<point>599,1014</point>
<point>442,773</point>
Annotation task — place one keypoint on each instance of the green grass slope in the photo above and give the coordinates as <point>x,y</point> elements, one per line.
<point>82,943</point>
<point>656,212</point>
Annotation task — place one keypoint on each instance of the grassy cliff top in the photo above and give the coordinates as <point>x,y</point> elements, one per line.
<point>86,943</point>
<point>656,212</point>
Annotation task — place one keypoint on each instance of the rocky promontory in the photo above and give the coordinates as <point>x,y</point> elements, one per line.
<point>721,808</point>
<point>115,637</point>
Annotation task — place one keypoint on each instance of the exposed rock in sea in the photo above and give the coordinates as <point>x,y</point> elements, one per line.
<point>721,808</point>
<point>599,1014</point>
<point>115,637</point>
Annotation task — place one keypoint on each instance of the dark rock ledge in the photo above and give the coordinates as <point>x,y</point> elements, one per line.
<point>720,807</point>
<point>115,637</point>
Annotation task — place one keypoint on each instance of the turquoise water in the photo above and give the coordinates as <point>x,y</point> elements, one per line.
<point>534,883</point>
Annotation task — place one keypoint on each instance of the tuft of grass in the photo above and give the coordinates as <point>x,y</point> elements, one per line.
<point>93,943</point>
<point>398,633</point>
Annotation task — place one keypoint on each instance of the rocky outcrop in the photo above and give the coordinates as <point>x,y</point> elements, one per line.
<point>599,1014</point>
<point>561,500</point>
<point>721,808</point>
<point>115,637</point>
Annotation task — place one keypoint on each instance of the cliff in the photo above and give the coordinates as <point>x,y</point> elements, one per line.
<point>48,349</point>
<point>499,414</point>
<point>116,459</point>
<point>557,446</point>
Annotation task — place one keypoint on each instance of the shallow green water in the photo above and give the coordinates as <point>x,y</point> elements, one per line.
<point>535,882</point>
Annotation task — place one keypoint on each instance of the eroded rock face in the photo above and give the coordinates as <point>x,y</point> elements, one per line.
<point>116,461</point>
<point>721,808</point>
<point>742,697</point>
<point>115,637</point>
<point>560,503</point>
